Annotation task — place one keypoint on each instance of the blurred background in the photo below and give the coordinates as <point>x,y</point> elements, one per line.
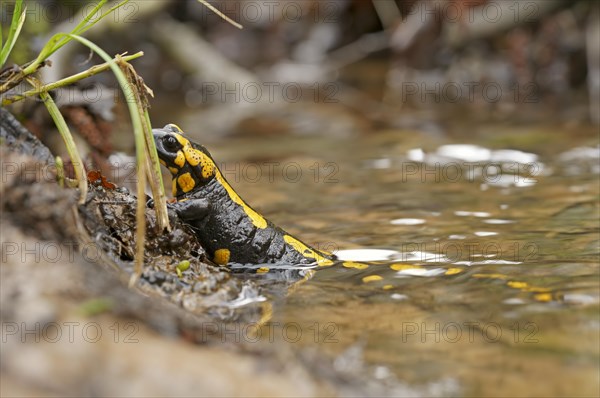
<point>338,67</point>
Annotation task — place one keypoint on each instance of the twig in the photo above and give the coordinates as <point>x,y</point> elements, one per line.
<point>67,80</point>
<point>219,13</point>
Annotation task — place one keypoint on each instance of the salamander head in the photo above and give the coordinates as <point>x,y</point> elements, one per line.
<point>190,164</point>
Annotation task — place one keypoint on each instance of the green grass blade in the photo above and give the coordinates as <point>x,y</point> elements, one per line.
<point>158,191</point>
<point>88,26</point>
<point>59,40</point>
<point>65,133</point>
<point>85,24</point>
<point>89,16</point>
<point>141,130</point>
<point>18,19</point>
<point>44,53</point>
<point>64,39</point>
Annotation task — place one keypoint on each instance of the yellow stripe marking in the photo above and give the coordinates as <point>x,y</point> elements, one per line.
<point>307,251</point>
<point>181,139</point>
<point>258,220</point>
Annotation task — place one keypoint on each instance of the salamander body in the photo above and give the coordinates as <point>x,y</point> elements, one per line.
<point>228,228</point>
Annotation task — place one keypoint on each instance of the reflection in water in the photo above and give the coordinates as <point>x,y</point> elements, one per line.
<point>460,264</point>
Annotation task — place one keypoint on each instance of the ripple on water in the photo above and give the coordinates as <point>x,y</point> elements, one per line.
<point>390,255</point>
<point>486,262</point>
<point>497,221</point>
<point>367,255</point>
<point>407,221</point>
<point>485,233</point>
<point>501,168</point>
<point>578,298</point>
<point>473,154</point>
<point>462,213</point>
<point>425,272</point>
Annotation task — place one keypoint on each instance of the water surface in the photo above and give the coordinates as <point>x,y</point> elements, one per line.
<point>486,273</point>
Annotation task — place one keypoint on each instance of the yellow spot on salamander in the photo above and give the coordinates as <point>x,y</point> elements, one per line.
<point>388,287</point>
<point>173,170</point>
<point>193,156</point>
<point>186,182</point>
<point>162,162</point>
<point>221,256</point>
<point>179,159</point>
<point>307,251</point>
<point>208,170</point>
<point>262,270</point>
<point>371,278</point>
<point>400,267</point>
<point>352,264</point>
<point>453,271</point>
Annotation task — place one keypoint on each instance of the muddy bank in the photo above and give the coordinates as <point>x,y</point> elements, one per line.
<point>71,326</point>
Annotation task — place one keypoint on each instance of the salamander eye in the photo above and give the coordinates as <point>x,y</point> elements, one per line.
<point>170,143</point>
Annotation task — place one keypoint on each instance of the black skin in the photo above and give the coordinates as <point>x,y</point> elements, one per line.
<point>221,223</point>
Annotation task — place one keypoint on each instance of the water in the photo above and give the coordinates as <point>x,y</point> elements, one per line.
<point>485,277</point>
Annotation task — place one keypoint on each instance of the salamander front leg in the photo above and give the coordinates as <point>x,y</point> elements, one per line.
<point>191,209</point>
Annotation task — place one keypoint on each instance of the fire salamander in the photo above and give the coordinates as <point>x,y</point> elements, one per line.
<point>229,229</point>
<point>233,233</point>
